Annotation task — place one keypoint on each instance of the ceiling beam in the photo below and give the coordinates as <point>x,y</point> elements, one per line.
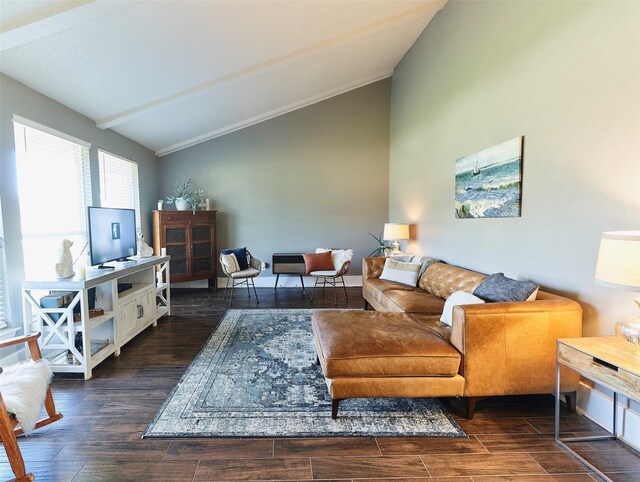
<point>50,20</point>
<point>274,113</point>
<point>386,23</point>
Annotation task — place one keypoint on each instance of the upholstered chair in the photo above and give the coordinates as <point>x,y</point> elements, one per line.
<point>341,260</point>
<point>239,272</point>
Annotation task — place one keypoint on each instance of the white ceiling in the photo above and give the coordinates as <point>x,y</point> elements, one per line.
<point>171,74</point>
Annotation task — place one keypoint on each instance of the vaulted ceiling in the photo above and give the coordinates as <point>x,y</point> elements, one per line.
<point>171,74</point>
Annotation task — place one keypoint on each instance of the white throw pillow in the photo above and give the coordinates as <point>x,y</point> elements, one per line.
<point>400,272</point>
<point>230,263</point>
<point>457,298</point>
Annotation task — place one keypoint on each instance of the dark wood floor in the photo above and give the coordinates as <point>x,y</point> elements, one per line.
<point>99,437</point>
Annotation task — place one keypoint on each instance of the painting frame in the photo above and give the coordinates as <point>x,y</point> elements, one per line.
<point>488,183</point>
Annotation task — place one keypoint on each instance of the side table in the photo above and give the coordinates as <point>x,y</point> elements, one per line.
<point>605,360</point>
<point>288,263</point>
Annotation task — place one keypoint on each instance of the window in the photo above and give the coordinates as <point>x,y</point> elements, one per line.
<point>119,187</point>
<point>4,295</point>
<point>54,190</point>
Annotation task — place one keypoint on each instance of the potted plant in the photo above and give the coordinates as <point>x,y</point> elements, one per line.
<point>382,248</point>
<point>184,197</point>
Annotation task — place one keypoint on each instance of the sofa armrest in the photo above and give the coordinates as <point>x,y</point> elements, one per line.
<point>372,267</point>
<point>510,348</point>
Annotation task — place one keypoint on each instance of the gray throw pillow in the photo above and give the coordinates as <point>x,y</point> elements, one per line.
<point>498,287</point>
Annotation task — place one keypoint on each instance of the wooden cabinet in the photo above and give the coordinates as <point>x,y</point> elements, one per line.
<point>190,240</point>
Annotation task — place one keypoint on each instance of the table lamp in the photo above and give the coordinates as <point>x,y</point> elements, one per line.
<point>618,266</point>
<point>394,232</point>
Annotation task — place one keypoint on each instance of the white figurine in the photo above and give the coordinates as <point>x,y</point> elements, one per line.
<point>64,266</point>
<point>144,250</point>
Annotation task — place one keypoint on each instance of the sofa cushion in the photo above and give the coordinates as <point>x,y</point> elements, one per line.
<point>369,343</point>
<point>499,288</point>
<point>400,272</point>
<point>442,279</point>
<point>417,301</point>
<point>384,285</point>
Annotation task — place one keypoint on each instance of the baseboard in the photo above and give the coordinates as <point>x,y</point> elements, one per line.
<point>285,281</point>
<point>597,404</point>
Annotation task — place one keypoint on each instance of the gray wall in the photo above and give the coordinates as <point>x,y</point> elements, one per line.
<point>567,76</point>
<point>16,98</point>
<point>311,178</point>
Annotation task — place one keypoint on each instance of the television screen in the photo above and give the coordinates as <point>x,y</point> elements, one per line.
<point>112,234</point>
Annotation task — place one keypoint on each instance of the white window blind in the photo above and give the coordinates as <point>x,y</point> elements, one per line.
<point>54,190</point>
<point>4,295</point>
<point>119,186</point>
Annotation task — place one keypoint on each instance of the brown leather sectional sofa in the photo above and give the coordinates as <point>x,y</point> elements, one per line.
<point>403,350</point>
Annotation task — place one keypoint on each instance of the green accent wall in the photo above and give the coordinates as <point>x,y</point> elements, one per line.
<point>566,75</point>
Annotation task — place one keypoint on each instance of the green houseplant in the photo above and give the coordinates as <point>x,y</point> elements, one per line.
<point>382,246</point>
<point>185,197</point>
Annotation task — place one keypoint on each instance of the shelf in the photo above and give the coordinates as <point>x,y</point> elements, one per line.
<point>101,354</point>
<point>95,321</point>
<point>135,289</point>
<point>161,311</point>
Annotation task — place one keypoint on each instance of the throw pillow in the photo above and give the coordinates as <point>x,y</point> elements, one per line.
<point>241,256</point>
<point>230,262</point>
<point>457,298</point>
<point>318,261</point>
<point>400,272</point>
<point>498,287</point>
<point>425,261</point>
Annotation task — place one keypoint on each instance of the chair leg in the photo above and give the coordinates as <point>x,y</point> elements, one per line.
<point>246,281</point>
<point>324,286</point>
<point>314,290</point>
<point>225,289</point>
<point>254,291</point>
<point>335,298</point>
<point>11,447</point>
<point>233,288</point>
<point>344,287</point>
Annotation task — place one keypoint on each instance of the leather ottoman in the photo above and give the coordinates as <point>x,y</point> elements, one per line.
<point>368,354</point>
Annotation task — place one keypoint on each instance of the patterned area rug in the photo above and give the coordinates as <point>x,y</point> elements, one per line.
<point>257,377</point>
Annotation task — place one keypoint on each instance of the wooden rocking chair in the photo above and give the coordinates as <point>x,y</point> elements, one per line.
<point>8,422</point>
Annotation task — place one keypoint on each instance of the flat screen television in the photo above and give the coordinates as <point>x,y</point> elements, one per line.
<point>112,235</point>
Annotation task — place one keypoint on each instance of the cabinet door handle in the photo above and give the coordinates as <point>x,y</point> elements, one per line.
<point>140,311</point>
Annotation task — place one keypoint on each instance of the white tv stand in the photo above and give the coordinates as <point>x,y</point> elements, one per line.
<point>126,313</point>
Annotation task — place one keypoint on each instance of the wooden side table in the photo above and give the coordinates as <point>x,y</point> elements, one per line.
<point>605,360</point>
<point>288,263</point>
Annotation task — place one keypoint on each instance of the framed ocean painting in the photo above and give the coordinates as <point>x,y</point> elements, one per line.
<point>489,182</point>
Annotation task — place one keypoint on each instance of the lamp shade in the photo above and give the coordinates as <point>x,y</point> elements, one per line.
<point>395,231</point>
<point>619,260</point>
